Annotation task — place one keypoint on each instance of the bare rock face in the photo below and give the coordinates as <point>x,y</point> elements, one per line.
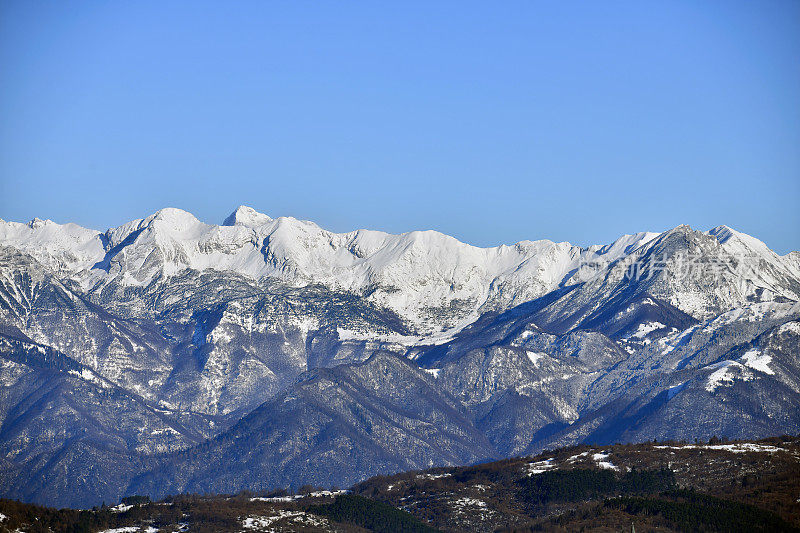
<point>168,354</point>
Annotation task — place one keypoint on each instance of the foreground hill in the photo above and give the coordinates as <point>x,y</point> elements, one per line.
<point>668,486</point>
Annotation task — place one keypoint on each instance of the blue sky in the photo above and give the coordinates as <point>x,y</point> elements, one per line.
<point>491,121</point>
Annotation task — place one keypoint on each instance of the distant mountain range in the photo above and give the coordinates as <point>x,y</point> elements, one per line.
<point>170,355</point>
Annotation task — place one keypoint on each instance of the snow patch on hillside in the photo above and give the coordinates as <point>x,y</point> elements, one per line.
<point>755,360</point>
<point>646,328</point>
<point>725,372</point>
<point>433,371</point>
<point>733,448</point>
<point>540,466</point>
<point>534,357</point>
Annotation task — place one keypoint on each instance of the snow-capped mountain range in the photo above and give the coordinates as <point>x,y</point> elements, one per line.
<point>411,274</point>
<point>408,273</point>
<point>333,356</point>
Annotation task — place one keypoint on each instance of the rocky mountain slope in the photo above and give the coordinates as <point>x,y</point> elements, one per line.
<point>270,352</point>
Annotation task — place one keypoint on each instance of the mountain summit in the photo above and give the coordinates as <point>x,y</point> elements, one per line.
<point>246,216</point>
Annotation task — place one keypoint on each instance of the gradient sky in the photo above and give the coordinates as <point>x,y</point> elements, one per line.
<point>490,121</point>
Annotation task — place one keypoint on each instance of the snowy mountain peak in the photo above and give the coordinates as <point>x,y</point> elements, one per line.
<point>722,233</point>
<point>246,216</point>
<point>171,218</point>
<point>739,242</point>
<point>624,245</point>
<point>38,223</point>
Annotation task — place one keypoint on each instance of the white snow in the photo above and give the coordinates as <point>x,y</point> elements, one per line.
<point>645,328</point>
<point>327,493</point>
<point>90,376</point>
<point>246,216</point>
<point>734,448</point>
<point>121,508</point>
<point>676,338</point>
<point>755,360</point>
<point>470,502</point>
<point>433,371</point>
<point>293,497</point>
<point>275,498</point>
<point>718,376</point>
<point>258,522</point>
<point>600,457</point>
<point>725,372</point>
<point>790,327</point>
<point>745,447</point>
<point>535,357</point>
<point>574,458</point>
<point>433,476</point>
<point>540,466</point>
<point>165,431</point>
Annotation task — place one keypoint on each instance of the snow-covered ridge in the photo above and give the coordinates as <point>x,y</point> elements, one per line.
<point>412,271</point>
<point>409,273</point>
<point>72,247</point>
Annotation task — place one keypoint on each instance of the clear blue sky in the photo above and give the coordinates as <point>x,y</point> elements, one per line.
<point>490,121</point>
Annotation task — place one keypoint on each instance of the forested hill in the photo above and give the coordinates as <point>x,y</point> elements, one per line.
<point>660,486</point>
